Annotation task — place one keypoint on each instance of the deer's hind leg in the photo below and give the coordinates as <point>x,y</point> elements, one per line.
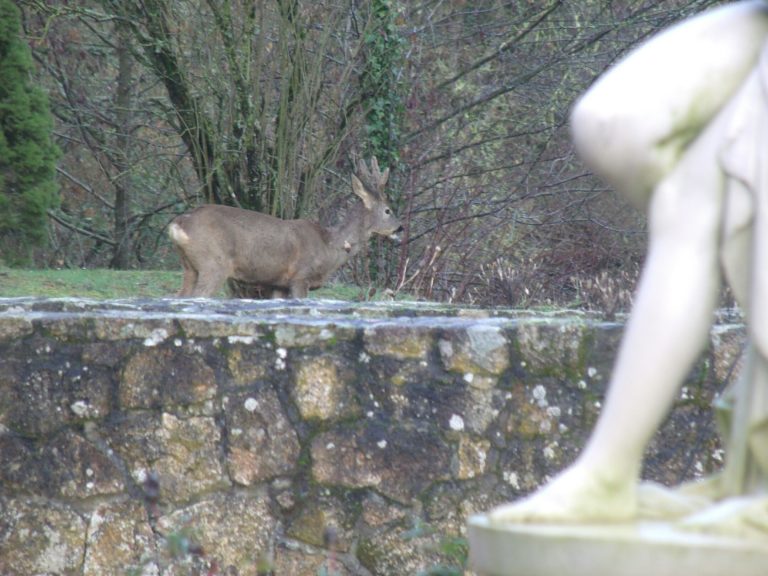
<point>210,279</point>
<point>278,292</point>
<point>189,280</point>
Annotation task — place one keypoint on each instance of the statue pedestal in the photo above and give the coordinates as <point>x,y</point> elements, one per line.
<point>637,549</point>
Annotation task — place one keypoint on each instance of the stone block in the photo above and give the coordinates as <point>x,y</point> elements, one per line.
<point>234,530</point>
<point>399,341</point>
<point>156,377</point>
<point>262,444</point>
<point>321,389</point>
<point>184,452</point>
<point>119,538</point>
<point>397,461</point>
<point>68,467</point>
<point>38,537</point>
<point>44,386</point>
<point>477,350</point>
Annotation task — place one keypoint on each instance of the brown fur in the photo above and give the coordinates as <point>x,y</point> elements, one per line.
<point>220,242</point>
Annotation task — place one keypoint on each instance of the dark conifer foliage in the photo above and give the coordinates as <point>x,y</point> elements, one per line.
<point>27,154</point>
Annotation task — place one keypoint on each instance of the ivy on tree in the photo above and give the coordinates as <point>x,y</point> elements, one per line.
<point>382,92</point>
<point>27,154</point>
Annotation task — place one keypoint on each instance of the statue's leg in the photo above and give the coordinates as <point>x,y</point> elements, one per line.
<point>637,119</point>
<point>665,334</point>
<point>745,259</point>
<point>671,165</point>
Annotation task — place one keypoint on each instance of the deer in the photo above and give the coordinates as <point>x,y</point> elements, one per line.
<point>286,257</point>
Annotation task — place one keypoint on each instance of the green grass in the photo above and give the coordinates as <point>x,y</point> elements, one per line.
<point>88,283</point>
<point>105,284</point>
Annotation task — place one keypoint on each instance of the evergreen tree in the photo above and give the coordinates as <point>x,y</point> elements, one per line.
<point>27,154</point>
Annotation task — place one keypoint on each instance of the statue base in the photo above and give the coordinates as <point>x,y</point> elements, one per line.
<point>632,549</point>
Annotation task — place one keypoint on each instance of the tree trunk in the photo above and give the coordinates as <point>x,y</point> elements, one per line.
<point>123,251</point>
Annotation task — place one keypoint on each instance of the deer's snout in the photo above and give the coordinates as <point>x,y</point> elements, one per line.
<point>395,236</point>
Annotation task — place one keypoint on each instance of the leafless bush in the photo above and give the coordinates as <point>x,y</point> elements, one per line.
<point>608,292</point>
<point>506,283</point>
<point>531,283</point>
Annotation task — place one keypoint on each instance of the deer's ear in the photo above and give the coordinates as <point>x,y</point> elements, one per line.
<point>362,193</point>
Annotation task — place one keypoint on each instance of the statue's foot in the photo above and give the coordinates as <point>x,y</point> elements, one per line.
<point>657,502</point>
<point>744,517</point>
<point>577,495</point>
<point>709,487</point>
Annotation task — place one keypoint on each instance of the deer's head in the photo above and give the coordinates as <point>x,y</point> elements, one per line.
<point>369,186</point>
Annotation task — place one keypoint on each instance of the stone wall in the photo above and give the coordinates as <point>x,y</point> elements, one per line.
<point>233,437</point>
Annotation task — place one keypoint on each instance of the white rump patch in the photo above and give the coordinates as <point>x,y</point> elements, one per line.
<point>177,233</point>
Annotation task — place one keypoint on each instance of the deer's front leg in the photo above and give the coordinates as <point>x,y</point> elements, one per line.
<point>299,289</point>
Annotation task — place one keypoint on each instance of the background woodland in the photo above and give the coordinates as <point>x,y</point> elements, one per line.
<point>160,105</point>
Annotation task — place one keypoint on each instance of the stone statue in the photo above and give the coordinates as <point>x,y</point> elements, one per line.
<point>680,128</point>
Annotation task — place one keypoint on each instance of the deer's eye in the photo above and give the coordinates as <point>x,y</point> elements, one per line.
<point>387,211</point>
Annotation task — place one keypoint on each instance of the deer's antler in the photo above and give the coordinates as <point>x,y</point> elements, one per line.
<point>374,178</point>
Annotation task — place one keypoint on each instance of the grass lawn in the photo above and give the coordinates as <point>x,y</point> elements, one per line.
<point>88,283</point>
<point>15,282</point>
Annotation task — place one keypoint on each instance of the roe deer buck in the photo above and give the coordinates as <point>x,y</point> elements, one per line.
<point>287,256</point>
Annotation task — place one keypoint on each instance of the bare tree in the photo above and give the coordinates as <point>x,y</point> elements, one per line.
<point>110,136</point>
<point>491,179</point>
<point>259,103</point>
<point>123,250</point>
